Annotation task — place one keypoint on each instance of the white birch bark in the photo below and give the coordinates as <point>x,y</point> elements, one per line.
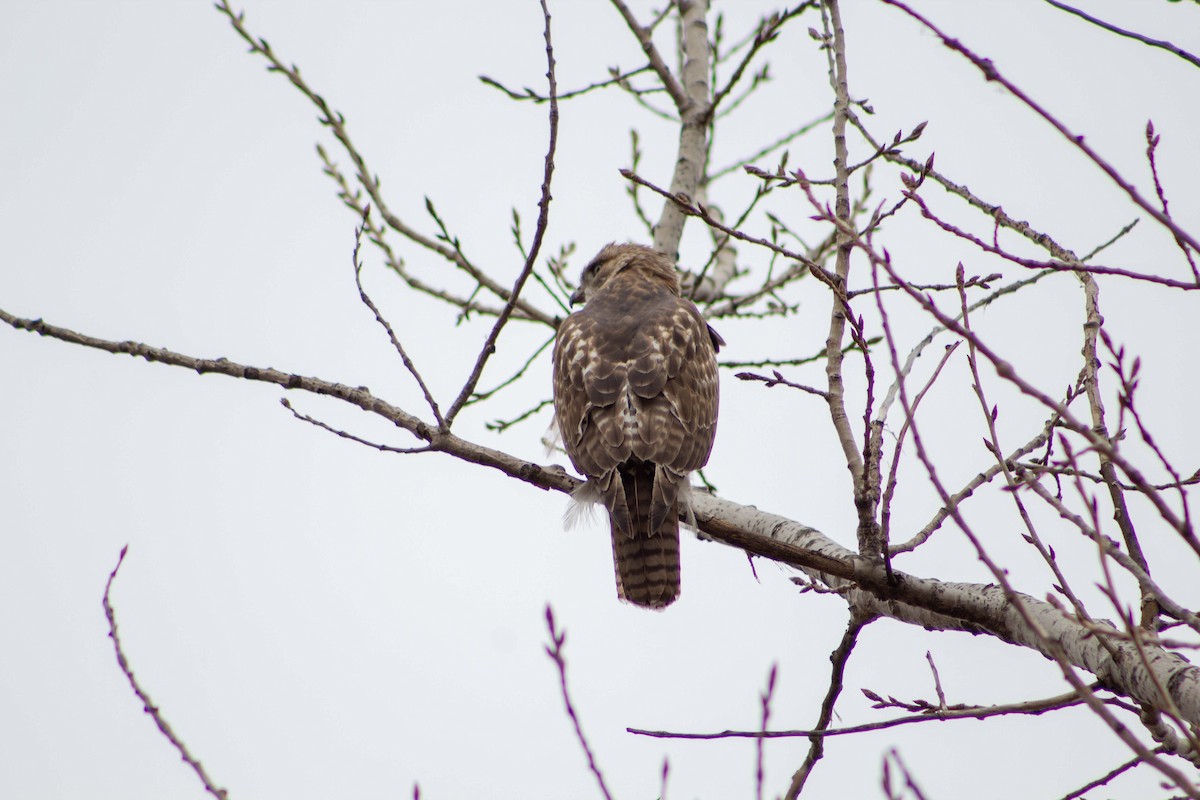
<point>970,607</point>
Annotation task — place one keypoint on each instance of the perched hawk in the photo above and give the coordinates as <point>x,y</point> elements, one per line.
<point>635,398</point>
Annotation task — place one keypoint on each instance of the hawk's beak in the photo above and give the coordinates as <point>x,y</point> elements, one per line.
<point>577,296</point>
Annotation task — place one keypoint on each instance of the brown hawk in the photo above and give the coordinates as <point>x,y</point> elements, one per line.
<point>635,398</point>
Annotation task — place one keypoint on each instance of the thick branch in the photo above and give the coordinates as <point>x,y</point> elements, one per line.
<point>693,131</point>
<point>933,604</point>
<point>837,315</point>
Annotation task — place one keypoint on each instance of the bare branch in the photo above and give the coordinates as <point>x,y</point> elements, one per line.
<point>686,205</point>
<point>943,513</point>
<point>617,77</point>
<point>502,425</point>
<point>930,603</point>
<point>147,704</point>
<point>767,31</point>
<point>1108,549</point>
<point>885,515</point>
<point>766,720</point>
<point>839,658</point>
<point>555,651</point>
<point>1007,372</point>
<point>1152,140</point>
<point>370,182</point>
<point>644,37</point>
<point>366,299</point>
<point>478,396</point>
<point>910,783</point>
<point>1074,265</point>
<point>928,714</point>
<point>796,362</point>
<point>1160,43</point>
<point>377,236</point>
<point>1053,646</point>
<point>779,380</point>
<point>992,74</point>
<point>1106,778</point>
<point>489,346</point>
<point>692,99</point>
<point>836,54</point>
<point>383,448</point>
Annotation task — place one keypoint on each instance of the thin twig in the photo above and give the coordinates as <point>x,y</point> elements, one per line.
<point>931,714</point>
<point>885,514</point>
<point>792,362</point>
<point>377,236</point>
<point>1108,26</point>
<point>893,755</point>
<point>1110,242</point>
<point>678,95</point>
<point>1073,265</point>
<point>767,31</point>
<point>383,448</point>
<point>779,380</point>
<point>758,743</point>
<point>1106,778</point>
<point>1152,140</point>
<point>839,658</point>
<point>937,680</point>
<point>489,345</point>
<point>501,425</point>
<point>1109,549</point>
<point>992,443</point>
<point>369,303</point>
<point>1007,372</point>
<point>700,211</point>
<point>478,396</point>
<point>555,651</point>
<point>148,704</point>
<point>369,181</point>
<point>635,158</point>
<point>617,77</point>
<point>982,281</point>
<point>992,74</point>
<point>1064,469</point>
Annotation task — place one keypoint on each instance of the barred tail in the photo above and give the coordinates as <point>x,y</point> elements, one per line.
<point>646,560</point>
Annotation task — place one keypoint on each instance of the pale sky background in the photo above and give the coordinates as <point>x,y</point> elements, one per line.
<point>317,619</point>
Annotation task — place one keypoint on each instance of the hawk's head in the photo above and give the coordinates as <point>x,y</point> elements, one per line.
<point>614,259</point>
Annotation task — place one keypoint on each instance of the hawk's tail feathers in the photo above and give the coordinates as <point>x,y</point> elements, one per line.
<point>646,559</point>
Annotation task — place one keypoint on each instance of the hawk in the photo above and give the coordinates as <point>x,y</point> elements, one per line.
<point>635,398</point>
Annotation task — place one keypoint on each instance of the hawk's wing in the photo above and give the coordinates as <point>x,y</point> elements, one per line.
<point>636,387</point>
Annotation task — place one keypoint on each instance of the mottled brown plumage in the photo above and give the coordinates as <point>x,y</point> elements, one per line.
<point>635,398</point>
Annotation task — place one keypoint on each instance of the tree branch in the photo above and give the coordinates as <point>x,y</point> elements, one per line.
<point>147,704</point>
<point>992,74</point>
<point>930,603</point>
<point>1146,40</point>
<point>489,346</point>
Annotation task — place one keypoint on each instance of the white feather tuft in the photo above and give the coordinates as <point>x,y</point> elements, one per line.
<point>583,505</point>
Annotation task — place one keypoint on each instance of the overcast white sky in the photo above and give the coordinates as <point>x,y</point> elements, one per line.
<point>318,619</point>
